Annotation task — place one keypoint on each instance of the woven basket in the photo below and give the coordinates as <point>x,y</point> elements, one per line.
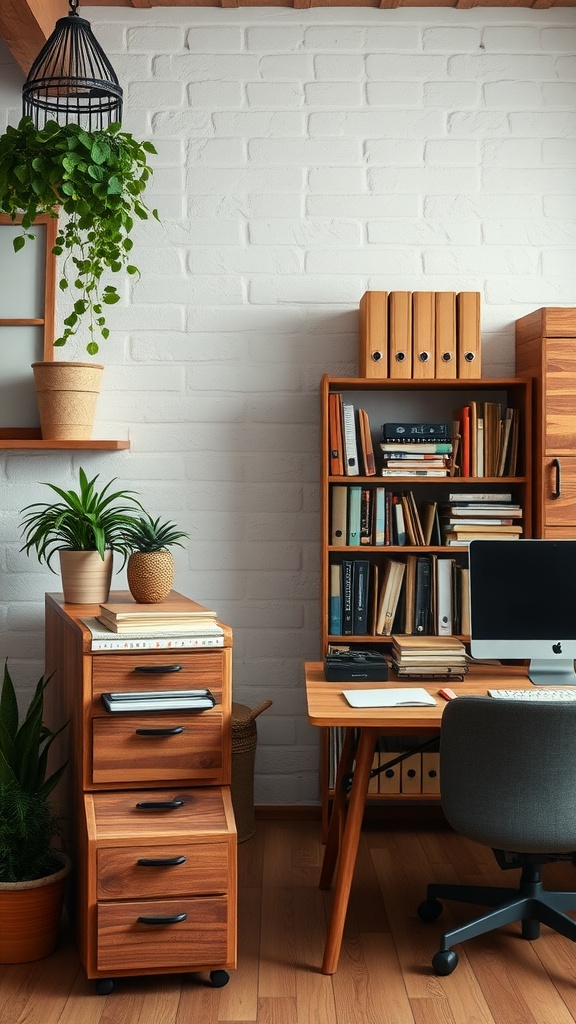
<point>67,394</point>
<point>244,737</point>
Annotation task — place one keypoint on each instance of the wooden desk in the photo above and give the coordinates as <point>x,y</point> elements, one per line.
<point>327,707</point>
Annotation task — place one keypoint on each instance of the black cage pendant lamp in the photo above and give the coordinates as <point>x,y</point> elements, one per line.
<point>72,81</point>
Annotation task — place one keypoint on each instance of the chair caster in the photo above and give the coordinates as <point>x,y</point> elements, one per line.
<point>104,986</point>
<point>429,910</point>
<point>445,961</point>
<point>219,978</point>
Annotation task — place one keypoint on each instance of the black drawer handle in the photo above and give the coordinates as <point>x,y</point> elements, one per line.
<point>556,465</point>
<point>160,862</point>
<point>158,669</point>
<point>173,919</point>
<point>154,805</point>
<point>169,730</point>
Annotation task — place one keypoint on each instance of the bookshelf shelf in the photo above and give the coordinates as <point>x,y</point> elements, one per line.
<point>411,400</point>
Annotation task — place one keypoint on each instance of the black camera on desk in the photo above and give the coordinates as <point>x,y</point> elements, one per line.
<point>352,666</point>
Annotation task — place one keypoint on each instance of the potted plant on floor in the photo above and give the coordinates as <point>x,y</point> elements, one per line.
<point>33,866</point>
<point>150,569</point>
<point>85,527</point>
<point>95,179</point>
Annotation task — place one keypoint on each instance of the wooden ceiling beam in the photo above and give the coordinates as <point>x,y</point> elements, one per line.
<point>26,24</point>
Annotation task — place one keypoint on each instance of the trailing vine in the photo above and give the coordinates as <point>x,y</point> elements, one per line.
<point>96,178</point>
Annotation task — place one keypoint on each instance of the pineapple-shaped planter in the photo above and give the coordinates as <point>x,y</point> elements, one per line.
<point>150,568</point>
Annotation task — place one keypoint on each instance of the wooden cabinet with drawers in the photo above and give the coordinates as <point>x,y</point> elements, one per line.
<point>546,352</point>
<point>151,824</point>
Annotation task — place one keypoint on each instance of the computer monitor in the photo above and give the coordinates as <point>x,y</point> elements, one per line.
<point>523,605</point>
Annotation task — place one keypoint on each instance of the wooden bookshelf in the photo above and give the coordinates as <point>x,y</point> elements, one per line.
<point>411,400</point>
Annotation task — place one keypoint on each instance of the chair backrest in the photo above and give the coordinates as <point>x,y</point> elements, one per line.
<point>508,773</point>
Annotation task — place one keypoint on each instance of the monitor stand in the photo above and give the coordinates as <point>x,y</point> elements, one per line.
<point>544,672</point>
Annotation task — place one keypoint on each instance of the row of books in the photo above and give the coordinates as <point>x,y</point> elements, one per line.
<point>415,773</point>
<point>421,594</point>
<point>381,517</point>
<point>423,335</point>
<point>378,517</point>
<point>487,439</point>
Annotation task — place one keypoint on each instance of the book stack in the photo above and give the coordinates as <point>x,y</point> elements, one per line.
<point>416,449</point>
<point>350,439</point>
<point>177,622</point>
<point>483,516</point>
<point>428,657</point>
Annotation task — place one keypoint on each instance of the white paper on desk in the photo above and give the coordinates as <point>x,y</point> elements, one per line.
<point>406,696</point>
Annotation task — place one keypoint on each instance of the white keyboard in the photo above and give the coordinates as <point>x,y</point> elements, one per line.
<point>538,693</point>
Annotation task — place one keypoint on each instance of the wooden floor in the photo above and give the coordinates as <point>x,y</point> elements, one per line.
<point>384,975</point>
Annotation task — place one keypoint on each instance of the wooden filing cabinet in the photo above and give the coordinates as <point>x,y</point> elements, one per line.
<point>152,829</point>
<point>546,352</point>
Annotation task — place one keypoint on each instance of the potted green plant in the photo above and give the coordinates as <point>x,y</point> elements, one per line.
<point>93,182</point>
<point>33,865</point>
<point>85,527</point>
<point>150,569</point>
<point>96,179</point>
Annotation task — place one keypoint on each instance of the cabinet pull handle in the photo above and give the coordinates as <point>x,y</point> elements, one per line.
<point>157,669</point>
<point>557,491</point>
<point>160,862</point>
<point>172,919</point>
<point>154,805</point>
<point>166,731</point>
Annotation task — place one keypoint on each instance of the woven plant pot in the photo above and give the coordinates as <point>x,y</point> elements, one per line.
<point>67,394</point>
<point>150,575</point>
<point>30,913</point>
<point>244,740</point>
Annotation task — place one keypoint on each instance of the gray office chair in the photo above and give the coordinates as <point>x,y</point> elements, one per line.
<point>508,780</point>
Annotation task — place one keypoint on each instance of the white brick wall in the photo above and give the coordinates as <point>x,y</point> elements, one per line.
<point>304,156</point>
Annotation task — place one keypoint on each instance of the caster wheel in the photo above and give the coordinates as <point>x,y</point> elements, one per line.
<point>104,986</point>
<point>445,961</point>
<point>429,910</point>
<point>530,929</point>
<point>219,978</point>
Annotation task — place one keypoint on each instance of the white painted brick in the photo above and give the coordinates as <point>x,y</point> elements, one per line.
<point>159,39</point>
<point>245,179</point>
<point>214,39</point>
<point>451,40</point>
<point>306,233</point>
<point>333,179</point>
<point>362,205</point>
<point>214,95</point>
<point>275,40</point>
<point>450,95</point>
<point>154,95</point>
<point>247,260</point>
<point>293,67</point>
<point>349,68</point>
<point>513,153</point>
<point>493,68</point>
<point>216,152</point>
<point>531,232</point>
<point>363,261</point>
<point>393,38</point>
<point>512,95</point>
<point>422,180</point>
<point>394,94</point>
<point>451,152</point>
<point>280,95</point>
<point>424,67</point>
<point>303,152</point>
<point>489,260</point>
<point>302,289</point>
<point>559,94</point>
<point>423,232</point>
<point>333,94</point>
<point>253,124</point>
<point>515,39</point>
<point>377,124</point>
<point>566,68</point>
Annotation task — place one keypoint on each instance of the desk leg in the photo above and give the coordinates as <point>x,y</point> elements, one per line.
<point>350,839</point>
<point>338,815</point>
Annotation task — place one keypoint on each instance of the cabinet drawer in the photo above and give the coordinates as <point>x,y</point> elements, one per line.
<point>157,748</point>
<point>559,512</point>
<point>155,871</point>
<point>201,938</point>
<point>151,670</point>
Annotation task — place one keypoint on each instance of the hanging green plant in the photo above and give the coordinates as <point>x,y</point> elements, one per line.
<point>97,179</point>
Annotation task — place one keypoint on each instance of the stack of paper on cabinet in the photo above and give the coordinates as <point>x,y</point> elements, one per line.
<point>428,657</point>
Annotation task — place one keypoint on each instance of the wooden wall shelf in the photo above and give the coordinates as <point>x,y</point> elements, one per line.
<point>39,443</point>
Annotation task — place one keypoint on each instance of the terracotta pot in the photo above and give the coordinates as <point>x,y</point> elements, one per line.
<point>30,913</point>
<point>86,578</point>
<point>67,394</point>
<point>150,575</point>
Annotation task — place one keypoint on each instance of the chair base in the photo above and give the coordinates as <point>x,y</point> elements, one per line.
<point>530,904</point>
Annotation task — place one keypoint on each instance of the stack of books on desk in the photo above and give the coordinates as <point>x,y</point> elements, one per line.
<point>428,657</point>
